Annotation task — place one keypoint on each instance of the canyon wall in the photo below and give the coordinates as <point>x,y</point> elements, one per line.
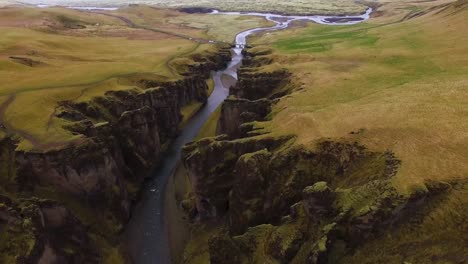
<point>273,201</point>
<point>123,135</point>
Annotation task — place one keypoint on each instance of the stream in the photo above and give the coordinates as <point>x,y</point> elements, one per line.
<point>146,232</point>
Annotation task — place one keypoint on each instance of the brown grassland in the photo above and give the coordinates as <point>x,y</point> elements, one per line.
<point>398,82</point>
<point>290,7</point>
<point>63,54</point>
<point>394,82</point>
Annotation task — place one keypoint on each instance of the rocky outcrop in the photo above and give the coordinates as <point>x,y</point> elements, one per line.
<point>254,183</point>
<point>42,231</point>
<point>122,135</point>
<point>236,114</point>
<point>282,203</point>
<point>299,206</point>
<point>253,96</point>
<point>255,85</point>
<point>93,172</point>
<point>320,234</point>
<point>211,163</point>
<point>256,82</point>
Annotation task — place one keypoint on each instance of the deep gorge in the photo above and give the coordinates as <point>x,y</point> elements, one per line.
<point>262,198</point>
<point>124,135</point>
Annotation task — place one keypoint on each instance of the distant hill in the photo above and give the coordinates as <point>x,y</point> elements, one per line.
<point>289,7</point>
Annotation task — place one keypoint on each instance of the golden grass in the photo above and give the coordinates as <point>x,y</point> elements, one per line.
<point>403,85</point>
<point>209,128</point>
<point>291,6</point>
<point>210,24</point>
<point>189,111</point>
<point>73,65</point>
<point>434,236</point>
<point>211,86</point>
<point>78,64</point>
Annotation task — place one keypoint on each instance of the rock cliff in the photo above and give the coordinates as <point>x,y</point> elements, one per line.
<point>43,231</point>
<point>274,201</point>
<point>122,137</point>
<point>237,114</point>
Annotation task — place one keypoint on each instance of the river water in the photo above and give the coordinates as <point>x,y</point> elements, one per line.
<point>146,234</point>
<point>147,237</point>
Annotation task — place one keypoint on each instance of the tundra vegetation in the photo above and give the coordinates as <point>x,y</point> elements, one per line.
<point>54,55</point>
<point>393,87</point>
<point>62,71</point>
<point>290,7</point>
<point>339,144</point>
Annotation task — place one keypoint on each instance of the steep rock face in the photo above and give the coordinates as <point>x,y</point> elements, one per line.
<point>254,82</point>
<point>289,204</point>
<point>252,183</point>
<point>42,231</point>
<point>313,235</point>
<point>125,132</point>
<point>248,101</point>
<point>210,163</point>
<point>254,85</point>
<point>123,135</point>
<point>236,112</point>
<point>92,172</point>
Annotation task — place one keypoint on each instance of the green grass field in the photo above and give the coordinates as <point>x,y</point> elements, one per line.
<point>290,7</point>
<point>402,84</point>
<point>391,84</point>
<point>78,55</point>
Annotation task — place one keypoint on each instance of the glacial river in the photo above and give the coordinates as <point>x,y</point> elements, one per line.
<point>147,234</point>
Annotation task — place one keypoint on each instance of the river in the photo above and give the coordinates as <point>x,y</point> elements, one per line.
<point>146,233</point>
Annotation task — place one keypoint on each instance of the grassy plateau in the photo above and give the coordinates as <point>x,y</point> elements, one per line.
<point>397,82</point>
<point>290,7</point>
<point>52,55</point>
<point>56,54</point>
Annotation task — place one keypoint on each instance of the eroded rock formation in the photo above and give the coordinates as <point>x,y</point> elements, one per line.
<point>122,136</point>
<point>279,202</point>
<point>43,231</point>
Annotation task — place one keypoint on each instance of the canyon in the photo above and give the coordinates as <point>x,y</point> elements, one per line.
<point>213,154</point>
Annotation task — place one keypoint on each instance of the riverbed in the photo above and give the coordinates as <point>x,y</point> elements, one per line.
<point>146,236</point>
<point>147,232</point>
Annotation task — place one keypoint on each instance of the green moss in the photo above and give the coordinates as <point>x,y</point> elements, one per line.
<point>189,111</point>
<point>211,85</point>
<point>326,229</point>
<point>361,200</point>
<point>114,257</point>
<point>16,239</point>
<point>102,222</point>
<point>254,242</point>
<point>210,126</point>
<point>246,157</point>
<point>322,244</point>
<point>317,187</point>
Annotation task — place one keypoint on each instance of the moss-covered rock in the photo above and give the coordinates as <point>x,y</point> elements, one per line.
<point>236,112</point>
<point>300,201</point>
<point>318,199</point>
<point>43,231</point>
<point>210,164</point>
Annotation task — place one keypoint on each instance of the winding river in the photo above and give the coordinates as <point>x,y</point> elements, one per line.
<point>146,232</point>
